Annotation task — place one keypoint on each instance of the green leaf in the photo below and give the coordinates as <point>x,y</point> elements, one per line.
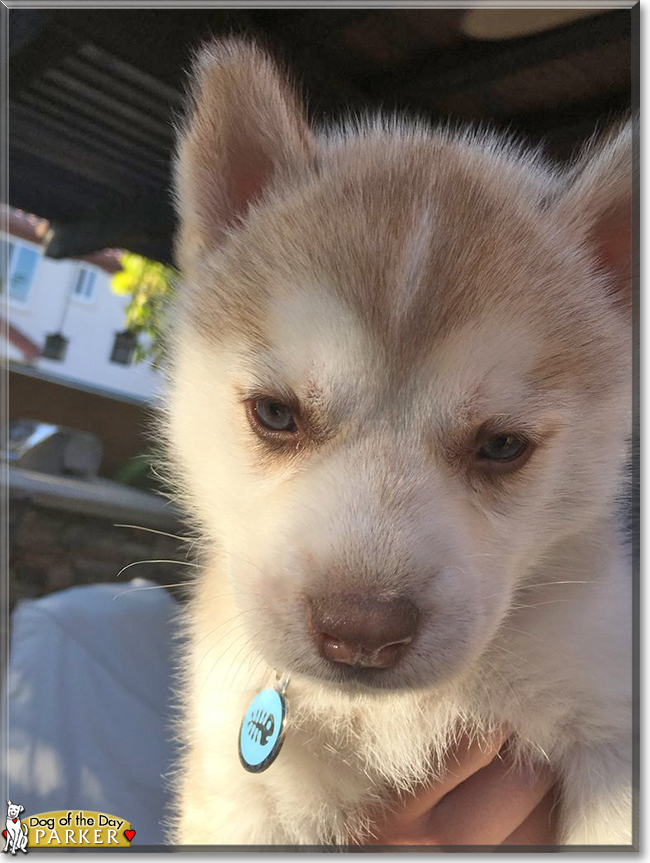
<point>150,286</point>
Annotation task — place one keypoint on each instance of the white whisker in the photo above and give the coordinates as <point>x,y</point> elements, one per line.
<point>158,532</point>
<point>161,560</point>
<point>224,635</point>
<point>148,587</point>
<point>549,584</point>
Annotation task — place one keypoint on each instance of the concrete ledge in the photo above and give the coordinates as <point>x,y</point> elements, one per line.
<point>99,497</point>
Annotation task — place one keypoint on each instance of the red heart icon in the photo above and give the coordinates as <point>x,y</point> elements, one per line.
<point>15,819</point>
<point>129,834</point>
<point>4,833</point>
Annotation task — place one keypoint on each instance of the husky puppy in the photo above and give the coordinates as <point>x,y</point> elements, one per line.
<point>399,411</point>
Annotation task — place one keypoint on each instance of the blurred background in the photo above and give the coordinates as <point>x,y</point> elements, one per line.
<point>88,226</point>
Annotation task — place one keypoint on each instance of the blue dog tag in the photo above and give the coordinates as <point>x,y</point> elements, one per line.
<point>262,730</point>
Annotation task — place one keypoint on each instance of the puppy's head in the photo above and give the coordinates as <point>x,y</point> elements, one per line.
<point>400,372</point>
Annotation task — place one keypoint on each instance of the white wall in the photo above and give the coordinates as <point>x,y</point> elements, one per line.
<point>90,327</point>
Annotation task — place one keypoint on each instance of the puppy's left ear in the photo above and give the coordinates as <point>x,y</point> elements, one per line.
<point>22,808</point>
<point>598,207</point>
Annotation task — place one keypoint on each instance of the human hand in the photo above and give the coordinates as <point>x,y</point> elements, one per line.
<point>482,799</point>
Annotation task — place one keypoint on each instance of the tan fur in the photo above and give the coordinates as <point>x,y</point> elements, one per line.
<point>406,291</point>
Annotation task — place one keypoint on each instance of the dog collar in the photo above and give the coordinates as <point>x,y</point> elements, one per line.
<point>261,734</point>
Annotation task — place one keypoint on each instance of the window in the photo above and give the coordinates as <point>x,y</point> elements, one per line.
<point>123,348</point>
<point>19,265</point>
<point>84,286</point>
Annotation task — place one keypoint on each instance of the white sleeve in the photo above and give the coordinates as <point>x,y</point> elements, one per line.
<point>89,703</point>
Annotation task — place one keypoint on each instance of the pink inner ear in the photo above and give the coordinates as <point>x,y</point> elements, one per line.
<point>614,240</point>
<point>250,171</point>
<point>615,243</point>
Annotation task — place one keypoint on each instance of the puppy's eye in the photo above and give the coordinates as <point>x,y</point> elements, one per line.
<point>503,448</point>
<point>273,415</point>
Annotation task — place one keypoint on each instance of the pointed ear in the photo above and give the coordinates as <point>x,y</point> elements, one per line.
<point>598,205</point>
<point>244,131</point>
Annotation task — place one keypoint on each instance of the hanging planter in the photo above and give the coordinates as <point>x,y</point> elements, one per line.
<point>123,348</point>
<point>55,347</point>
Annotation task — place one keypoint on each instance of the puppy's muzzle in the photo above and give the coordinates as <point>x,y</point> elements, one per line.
<point>362,631</point>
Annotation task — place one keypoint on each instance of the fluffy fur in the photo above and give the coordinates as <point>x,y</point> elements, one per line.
<point>402,286</point>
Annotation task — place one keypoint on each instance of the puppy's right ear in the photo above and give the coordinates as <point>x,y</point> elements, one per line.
<point>244,130</point>
<point>598,207</point>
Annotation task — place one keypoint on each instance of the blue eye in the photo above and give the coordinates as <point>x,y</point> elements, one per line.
<point>503,447</point>
<point>274,415</point>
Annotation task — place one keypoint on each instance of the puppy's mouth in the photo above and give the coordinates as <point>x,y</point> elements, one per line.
<point>353,678</point>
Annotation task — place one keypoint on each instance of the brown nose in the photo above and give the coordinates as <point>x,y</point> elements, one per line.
<point>363,631</point>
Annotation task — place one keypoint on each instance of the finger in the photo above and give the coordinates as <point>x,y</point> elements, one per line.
<point>465,759</point>
<point>489,806</point>
<point>397,823</point>
<point>540,828</point>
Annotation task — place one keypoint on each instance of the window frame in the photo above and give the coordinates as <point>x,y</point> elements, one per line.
<point>84,272</point>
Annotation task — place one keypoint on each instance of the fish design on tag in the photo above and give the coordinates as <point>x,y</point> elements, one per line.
<point>261,727</point>
<point>261,734</point>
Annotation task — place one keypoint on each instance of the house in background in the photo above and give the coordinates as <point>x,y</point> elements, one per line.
<point>64,322</point>
<point>62,332</point>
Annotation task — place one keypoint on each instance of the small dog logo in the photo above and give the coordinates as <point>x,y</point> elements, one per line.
<point>16,831</point>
